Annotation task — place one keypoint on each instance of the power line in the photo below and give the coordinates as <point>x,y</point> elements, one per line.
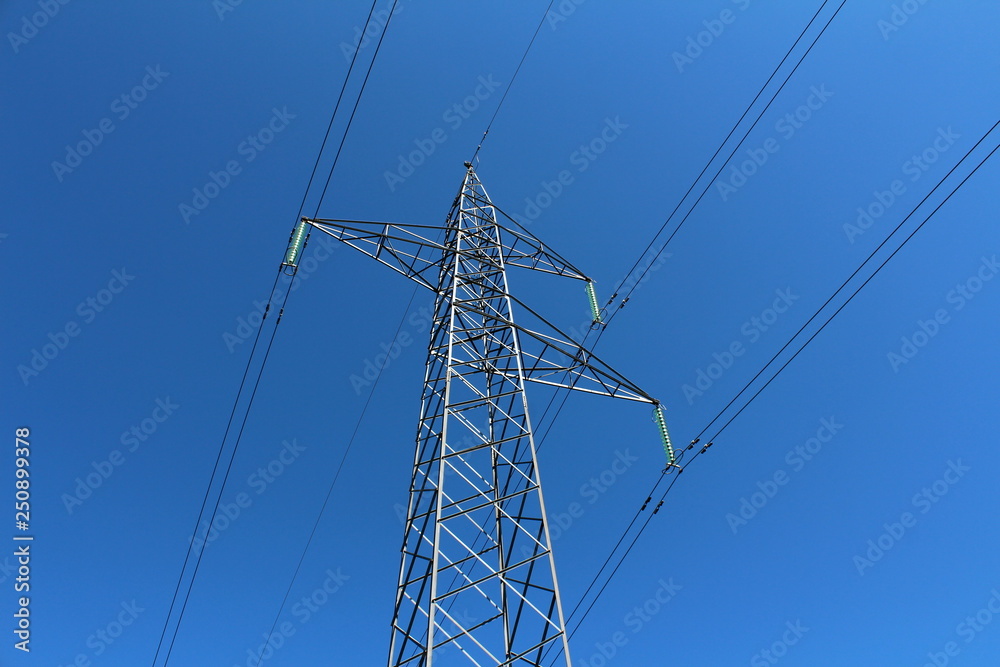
<point>511,83</point>
<point>211,481</point>
<point>336,476</point>
<point>350,120</point>
<point>371,393</point>
<point>845,283</point>
<point>802,347</point>
<point>245,373</point>
<point>880,266</point>
<point>638,281</point>
<point>726,161</point>
<point>690,189</point>
<point>333,484</point>
<point>622,560</point>
<point>333,115</point>
<point>225,478</point>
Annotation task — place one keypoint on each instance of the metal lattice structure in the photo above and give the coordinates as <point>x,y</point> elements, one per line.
<point>477,582</point>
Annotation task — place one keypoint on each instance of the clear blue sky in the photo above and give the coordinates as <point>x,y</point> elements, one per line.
<point>141,304</point>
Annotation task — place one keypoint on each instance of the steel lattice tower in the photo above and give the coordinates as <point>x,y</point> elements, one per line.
<point>477,582</point>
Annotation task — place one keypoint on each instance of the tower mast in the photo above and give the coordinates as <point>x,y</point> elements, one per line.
<point>477,582</point>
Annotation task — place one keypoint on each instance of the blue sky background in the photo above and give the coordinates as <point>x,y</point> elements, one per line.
<point>168,334</point>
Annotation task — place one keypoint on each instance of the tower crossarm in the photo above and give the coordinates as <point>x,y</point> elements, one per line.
<point>414,251</point>
<point>409,249</point>
<point>549,356</point>
<point>524,250</point>
<point>554,359</point>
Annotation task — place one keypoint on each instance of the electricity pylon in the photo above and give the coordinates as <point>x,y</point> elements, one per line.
<point>477,582</point>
